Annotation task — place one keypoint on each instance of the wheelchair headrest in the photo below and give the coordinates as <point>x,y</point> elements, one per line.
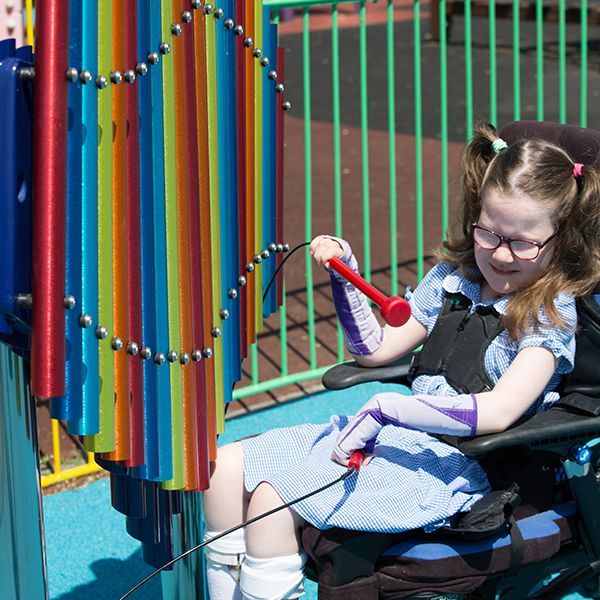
<point>582,145</point>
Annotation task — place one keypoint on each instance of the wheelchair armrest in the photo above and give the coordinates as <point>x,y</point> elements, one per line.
<point>555,430</point>
<point>350,373</point>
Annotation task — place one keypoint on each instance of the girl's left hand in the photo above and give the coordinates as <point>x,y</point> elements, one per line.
<point>344,461</point>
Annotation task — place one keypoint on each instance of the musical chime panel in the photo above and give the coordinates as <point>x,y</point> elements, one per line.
<point>156,221</point>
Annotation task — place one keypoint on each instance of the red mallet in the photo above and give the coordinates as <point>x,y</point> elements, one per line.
<point>395,310</point>
<point>356,460</point>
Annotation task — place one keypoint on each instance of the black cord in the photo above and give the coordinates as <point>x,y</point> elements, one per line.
<point>280,267</point>
<point>342,477</point>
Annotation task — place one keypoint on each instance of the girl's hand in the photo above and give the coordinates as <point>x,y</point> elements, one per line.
<point>324,247</point>
<point>344,461</point>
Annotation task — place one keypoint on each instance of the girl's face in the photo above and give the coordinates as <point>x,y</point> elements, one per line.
<point>516,217</point>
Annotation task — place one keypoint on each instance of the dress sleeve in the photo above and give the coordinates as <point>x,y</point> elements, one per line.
<point>559,340</point>
<point>426,300</point>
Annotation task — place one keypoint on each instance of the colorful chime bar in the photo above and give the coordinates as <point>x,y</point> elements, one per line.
<point>158,206</point>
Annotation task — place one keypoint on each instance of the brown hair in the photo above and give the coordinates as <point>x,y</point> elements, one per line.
<point>543,172</point>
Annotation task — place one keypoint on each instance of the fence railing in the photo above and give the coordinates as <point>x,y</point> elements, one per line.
<point>381,111</point>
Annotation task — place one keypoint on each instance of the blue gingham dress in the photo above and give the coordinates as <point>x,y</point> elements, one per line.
<point>414,480</point>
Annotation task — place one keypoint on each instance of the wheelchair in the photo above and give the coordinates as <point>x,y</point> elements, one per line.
<point>549,543</point>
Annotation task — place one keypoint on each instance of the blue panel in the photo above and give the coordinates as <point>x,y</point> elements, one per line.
<point>69,406</point>
<point>90,422</point>
<point>269,159</point>
<point>151,469</point>
<point>165,449</point>
<point>225,126</point>
<point>233,222</point>
<point>16,105</point>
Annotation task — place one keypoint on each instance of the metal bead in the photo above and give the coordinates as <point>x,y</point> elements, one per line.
<point>25,301</point>
<point>195,4</point>
<point>141,69</point>
<point>272,247</point>
<point>184,358</point>
<point>116,77</point>
<point>116,344</point>
<point>207,352</point>
<point>219,13</point>
<point>85,77</point>
<point>153,58</point>
<point>197,355</point>
<point>69,302</point>
<point>186,16</point>
<point>172,356</point>
<point>286,105</point>
<point>176,29</point>
<point>208,8</point>
<point>257,53</point>
<point>279,247</point>
<point>248,42</point>
<point>101,82</point>
<point>238,30</point>
<point>164,48</point>
<point>286,247</point>
<point>72,74</point>
<point>242,280</point>
<point>232,293</point>
<point>159,358</point>
<point>26,73</point>
<point>129,76</point>
<point>133,348</point>
<point>249,268</point>
<point>257,259</point>
<point>265,254</point>
<point>215,332</point>
<point>85,320</point>
<point>101,332</point>
<point>145,353</point>
<point>228,24</point>
<point>273,74</point>
<point>224,314</point>
<point>264,61</point>
<point>279,88</point>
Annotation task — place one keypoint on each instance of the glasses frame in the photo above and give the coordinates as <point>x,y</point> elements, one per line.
<point>502,239</point>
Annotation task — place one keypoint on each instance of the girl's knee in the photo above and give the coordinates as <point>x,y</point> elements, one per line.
<point>225,501</point>
<point>275,535</point>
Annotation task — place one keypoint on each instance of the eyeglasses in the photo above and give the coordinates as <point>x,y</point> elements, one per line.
<point>523,249</point>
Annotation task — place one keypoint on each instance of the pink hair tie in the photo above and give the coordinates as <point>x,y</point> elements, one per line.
<point>577,170</point>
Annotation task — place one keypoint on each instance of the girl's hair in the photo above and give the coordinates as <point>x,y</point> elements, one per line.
<point>543,172</point>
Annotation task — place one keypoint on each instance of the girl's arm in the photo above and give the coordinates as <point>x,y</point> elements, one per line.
<point>520,386</point>
<point>396,343</point>
<point>462,415</point>
<point>369,343</point>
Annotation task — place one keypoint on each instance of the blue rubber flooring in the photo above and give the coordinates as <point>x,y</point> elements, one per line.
<point>90,554</point>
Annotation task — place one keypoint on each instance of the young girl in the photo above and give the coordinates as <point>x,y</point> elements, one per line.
<point>504,289</point>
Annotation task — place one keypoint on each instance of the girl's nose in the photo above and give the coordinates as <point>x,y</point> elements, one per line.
<point>503,254</point>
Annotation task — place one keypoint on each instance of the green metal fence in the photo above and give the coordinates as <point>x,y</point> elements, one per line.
<point>371,86</point>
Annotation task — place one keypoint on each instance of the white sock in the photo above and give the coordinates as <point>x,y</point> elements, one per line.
<point>272,578</point>
<point>224,558</point>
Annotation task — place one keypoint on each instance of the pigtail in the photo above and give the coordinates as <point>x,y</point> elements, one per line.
<point>458,248</point>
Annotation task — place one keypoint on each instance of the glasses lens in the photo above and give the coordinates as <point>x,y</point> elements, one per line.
<point>486,239</point>
<point>525,250</point>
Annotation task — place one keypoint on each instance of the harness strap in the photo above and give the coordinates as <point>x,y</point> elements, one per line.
<point>457,345</point>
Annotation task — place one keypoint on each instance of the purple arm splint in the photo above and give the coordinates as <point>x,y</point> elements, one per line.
<point>362,332</point>
<point>450,415</point>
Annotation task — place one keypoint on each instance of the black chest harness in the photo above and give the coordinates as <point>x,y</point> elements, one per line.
<point>456,346</point>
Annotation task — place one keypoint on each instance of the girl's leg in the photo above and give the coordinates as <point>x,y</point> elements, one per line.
<point>273,567</point>
<point>225,505</point>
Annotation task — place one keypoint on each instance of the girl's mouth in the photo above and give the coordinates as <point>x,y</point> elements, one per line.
<point>502,272</point>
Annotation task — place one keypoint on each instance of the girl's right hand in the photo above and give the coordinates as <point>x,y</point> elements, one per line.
<point>325,247</point>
